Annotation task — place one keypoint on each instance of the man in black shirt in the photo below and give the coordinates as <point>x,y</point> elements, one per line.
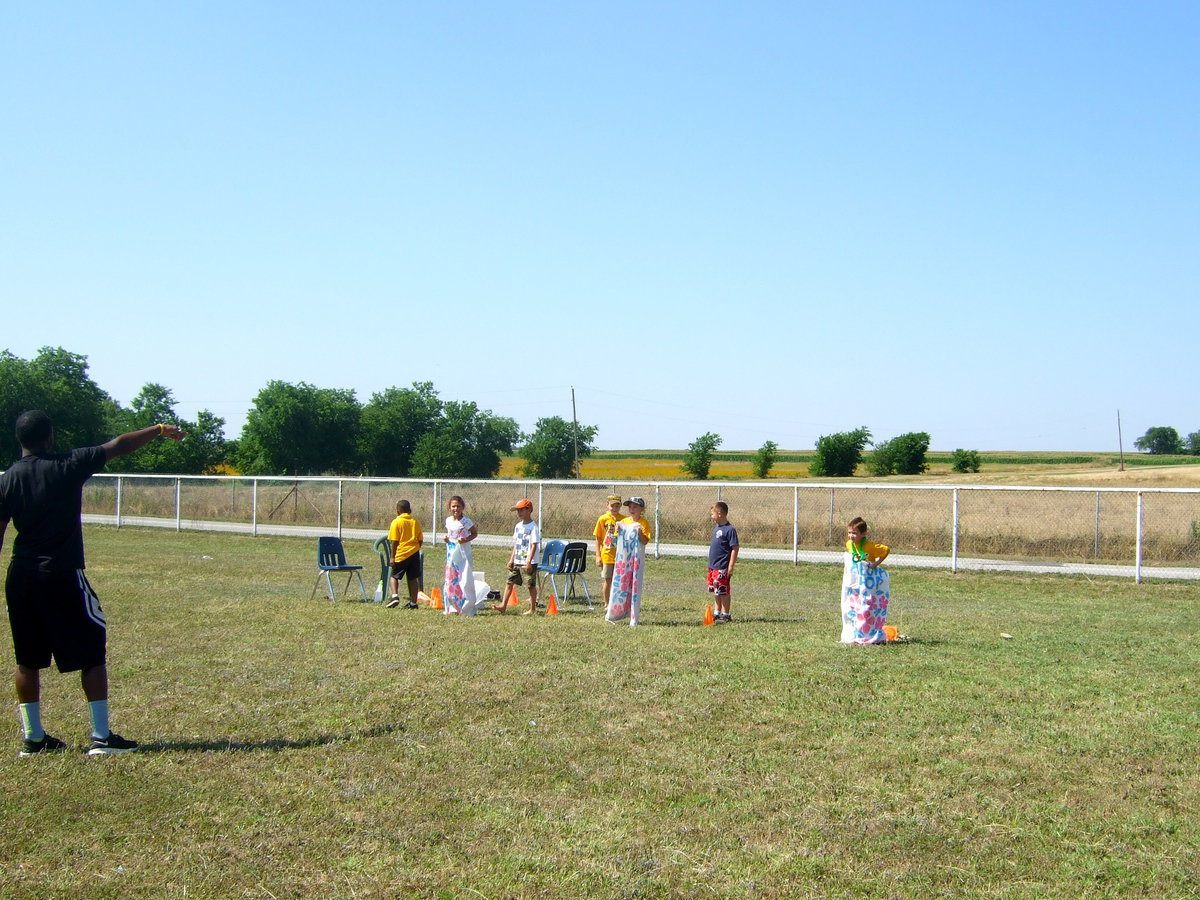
<point>53,611</point>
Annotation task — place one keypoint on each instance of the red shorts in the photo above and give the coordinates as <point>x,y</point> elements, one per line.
<point>718,582</point>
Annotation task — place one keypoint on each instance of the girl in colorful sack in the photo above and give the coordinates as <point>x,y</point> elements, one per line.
<point>633,534</point>
<point>866,589</point>
<point>458,588</point>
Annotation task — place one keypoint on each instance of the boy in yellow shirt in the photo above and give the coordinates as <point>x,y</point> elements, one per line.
<point>404,541</point>
<point>606,542</point>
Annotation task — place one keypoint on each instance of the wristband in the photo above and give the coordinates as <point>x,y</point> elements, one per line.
<point>161,429</point>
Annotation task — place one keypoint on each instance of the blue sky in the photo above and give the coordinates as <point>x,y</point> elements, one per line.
<point>769,220</point>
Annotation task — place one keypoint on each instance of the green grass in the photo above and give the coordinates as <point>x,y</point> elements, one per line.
<point>304,748</point>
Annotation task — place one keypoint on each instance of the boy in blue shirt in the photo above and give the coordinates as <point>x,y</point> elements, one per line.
<point>722,555</point>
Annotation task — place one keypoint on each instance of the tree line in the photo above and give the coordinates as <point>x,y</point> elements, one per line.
<point>838,455</point>
<point>292,429</point>
<point>1163,439</point>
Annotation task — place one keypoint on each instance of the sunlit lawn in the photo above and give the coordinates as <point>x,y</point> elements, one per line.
<point>301,748</point>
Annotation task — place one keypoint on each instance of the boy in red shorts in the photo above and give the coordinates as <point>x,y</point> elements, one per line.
<point>722,555</point>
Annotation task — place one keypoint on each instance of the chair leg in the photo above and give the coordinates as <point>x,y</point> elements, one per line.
<point>361,588</point>
<point>314,590</point>
<point>329,585</point>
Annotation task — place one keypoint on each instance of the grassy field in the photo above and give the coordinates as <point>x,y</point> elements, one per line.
<point>998,467</point>
<point>301,748</point>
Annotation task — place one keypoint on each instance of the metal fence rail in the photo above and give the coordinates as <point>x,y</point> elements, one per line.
<point>1126,532</point>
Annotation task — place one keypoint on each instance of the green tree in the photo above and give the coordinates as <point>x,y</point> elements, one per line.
<point>393,423</point>
<point>550,451</point>
<point>698,460</point>
<point>902,455</point>
<point>1160,440</point>
<point>764,459</point>
<point>199,453</point>
<point>838,455</point>
<point>464,443</point>
<point>1192,443</point>
<point>56,382</point>
<point>298,429</point>
<point>965,461</point>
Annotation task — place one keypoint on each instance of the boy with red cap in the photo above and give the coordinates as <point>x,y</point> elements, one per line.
<point>522,562</point>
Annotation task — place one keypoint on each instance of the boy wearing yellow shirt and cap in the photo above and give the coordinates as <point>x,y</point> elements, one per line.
<point>606,542</point>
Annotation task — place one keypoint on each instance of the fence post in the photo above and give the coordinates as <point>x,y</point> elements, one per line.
<point>831,493</point>
<point>1137,574</point>
<point>339,511</point>
<point>254,507</point>
<point>368,504</point>
<point>1096,552</point>
<point>433,516</point>
<point>119,480</point>
<point>178,525</point>
<point>795,524</point>
<point>954,537</point>
<point>657,522</point>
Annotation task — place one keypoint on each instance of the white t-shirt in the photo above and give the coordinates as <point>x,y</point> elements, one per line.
<point>525,536</point>
<point>457,529</point>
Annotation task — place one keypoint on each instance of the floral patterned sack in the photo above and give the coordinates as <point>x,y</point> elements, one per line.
<point>626,597</point>
<point>865,596</point>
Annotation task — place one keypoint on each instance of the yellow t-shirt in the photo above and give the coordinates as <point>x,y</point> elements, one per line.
<point>406,535</point>
<point>606,537</point>
<point>877,553</point>
<point>641,523</point>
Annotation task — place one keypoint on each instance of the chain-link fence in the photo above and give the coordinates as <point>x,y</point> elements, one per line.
<point>1120,531</point>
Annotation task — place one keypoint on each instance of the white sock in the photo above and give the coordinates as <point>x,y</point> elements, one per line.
<point>99,711</point>
<point>31,720</point>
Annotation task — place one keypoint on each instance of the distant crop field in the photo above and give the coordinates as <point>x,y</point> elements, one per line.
<point>792,465</point>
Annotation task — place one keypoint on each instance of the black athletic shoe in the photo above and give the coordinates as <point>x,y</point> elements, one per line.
<point>47,744</point>
<point>114,743</point>
<point>412,604</point>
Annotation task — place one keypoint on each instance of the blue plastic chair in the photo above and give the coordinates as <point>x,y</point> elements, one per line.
<point>568,559</point>
<point>331,557</point>
<point>552,554</point>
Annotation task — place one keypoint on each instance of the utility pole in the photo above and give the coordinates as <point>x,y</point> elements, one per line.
<point>575,431</point>
<point>1120,443</point>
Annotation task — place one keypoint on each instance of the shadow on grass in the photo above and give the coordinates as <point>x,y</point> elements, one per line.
<point>272,744</point>
<point>698,622</point>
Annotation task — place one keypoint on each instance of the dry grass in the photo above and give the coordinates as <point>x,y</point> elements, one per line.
<point>1033,525</point>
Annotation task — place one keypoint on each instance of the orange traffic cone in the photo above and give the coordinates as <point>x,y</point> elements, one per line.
<point>437,599</point>
<point>708,616</point>
<point>552,606</point>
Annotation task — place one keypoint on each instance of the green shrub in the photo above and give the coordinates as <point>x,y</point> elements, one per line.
<point>902,455</point>
<point>965,461</point>
<point>698,459</point>
<point>838,455</point>
<point>762,461</point>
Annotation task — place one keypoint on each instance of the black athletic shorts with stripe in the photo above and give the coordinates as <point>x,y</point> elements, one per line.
<point>55,615</point>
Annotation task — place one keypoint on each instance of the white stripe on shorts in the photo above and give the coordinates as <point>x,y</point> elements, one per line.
<point>91,603</point>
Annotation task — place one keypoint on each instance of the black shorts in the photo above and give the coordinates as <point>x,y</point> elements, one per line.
<point>409,568</point>
<point>55,615</point>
